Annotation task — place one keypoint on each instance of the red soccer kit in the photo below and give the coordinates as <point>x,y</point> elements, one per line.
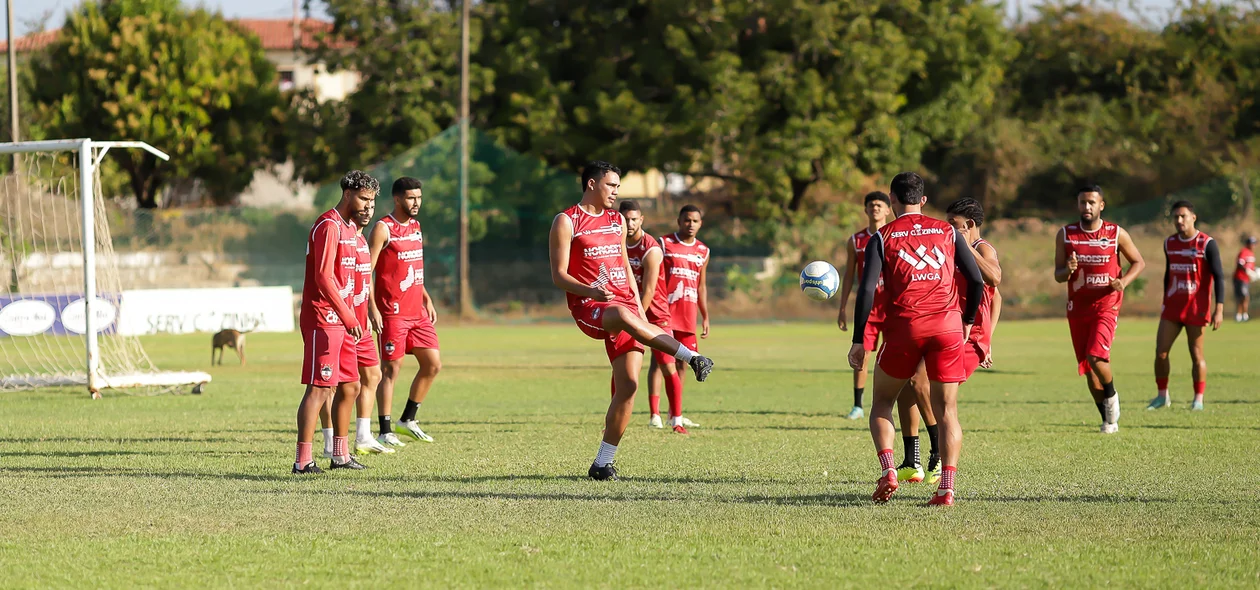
<point>658,311</point>
<point>978,344</point>
<point>876,320</point>
<point>683,263</point>
<point>922,321</point>
<point>329,355</point>
<point>595,260</point>
<point>1246,262</point>
<point>400,291</point>
<point>1093,307</point>
<point>1187,295</point>
<point>365,348</point>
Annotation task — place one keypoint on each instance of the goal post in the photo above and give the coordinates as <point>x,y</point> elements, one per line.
<point>37,200</point>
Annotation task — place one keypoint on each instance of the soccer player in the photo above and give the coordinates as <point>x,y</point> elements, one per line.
<point>878,208</point>
<point>686,268</point>
<point>966,215</point>
<point>330,330</point>
<point>916,256</point>
<point>1192,261</point>
<point>587,246</point>
<point>1087,258</point>
<point>1244,273</point>
<point>406,311</point>
<point>648,264</point>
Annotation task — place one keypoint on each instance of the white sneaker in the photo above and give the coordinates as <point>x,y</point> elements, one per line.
<point>1112,408</point>
<point>390,439</point>
<point>1109,428</point>
<point>655,421</point>
<point>687,423</point>
<point>369,446</point>
<point>412,429</point>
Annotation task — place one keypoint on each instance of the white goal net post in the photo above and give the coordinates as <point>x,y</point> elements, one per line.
<point>61,283</point>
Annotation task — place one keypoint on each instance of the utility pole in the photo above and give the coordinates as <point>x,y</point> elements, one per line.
<point>15,133</point>
<point>465,294</point>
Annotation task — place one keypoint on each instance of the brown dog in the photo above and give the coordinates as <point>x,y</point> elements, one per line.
<point>233,339</point>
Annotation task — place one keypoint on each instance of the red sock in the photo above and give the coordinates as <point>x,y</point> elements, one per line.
<point>673,390</point>
<point>654,404</point>
<point>947,477</point>
<point>1200,387</point>
<point>303,454</point>
<point>341,447</point>
<point>886,459</point>
<point>1161,384</point>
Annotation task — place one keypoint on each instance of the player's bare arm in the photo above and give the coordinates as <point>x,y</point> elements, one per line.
<point>702,292</point>
<point>1064,265</point>
<point>429,308</point>
<point>850,257</point>
<point>1131,254</point>
<point>651,274</point>
<point>327,240</point>
<point>560,239</point>
<point>987,259</point>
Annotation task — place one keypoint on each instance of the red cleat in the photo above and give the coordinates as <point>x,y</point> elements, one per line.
<point>680,430</point>
<point>939,499</point>
<point>885,487</point>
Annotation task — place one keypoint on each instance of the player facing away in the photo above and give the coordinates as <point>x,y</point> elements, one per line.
<point>916,256</point>
<point>330,331</point>
<point>587,246</point>
<point>406,312</point>
<point>878,209</point>
<point>686,272</point>
<point>1192,262</point>
<point>1087,258</point>
<point>1244,273</point>
<point>648,263</point>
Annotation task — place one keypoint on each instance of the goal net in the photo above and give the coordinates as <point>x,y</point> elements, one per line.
<point>63,292</point>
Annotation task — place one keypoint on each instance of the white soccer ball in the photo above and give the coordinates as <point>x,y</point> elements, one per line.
<point>820,281</point>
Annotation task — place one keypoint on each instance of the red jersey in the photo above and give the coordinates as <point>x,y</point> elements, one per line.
<point>595,254</point>
<point>859,246</point>
<point>330,230</point>
<point>683,263</point>
<point>1097,262</point>
<point>918,273</point>
<point>400,270</point>
<point>1189,285</point>
<point>1246,263</point>
<point>982,330</point>
<point>658,311</point>
<point>362,278</point>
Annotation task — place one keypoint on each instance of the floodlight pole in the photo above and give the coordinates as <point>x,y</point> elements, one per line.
<point>465,295</point>
<point>15,133</point>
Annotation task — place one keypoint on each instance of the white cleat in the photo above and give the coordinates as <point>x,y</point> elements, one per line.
<point>655,421</point>
<point>687,423</point>
<point>1112,408</point>
<point>1109,428</point>
<point>390,439</point>
<point>370,446</point>
<point>412,429</point>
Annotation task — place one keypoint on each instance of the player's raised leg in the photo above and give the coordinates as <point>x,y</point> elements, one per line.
<point>1165,336</point>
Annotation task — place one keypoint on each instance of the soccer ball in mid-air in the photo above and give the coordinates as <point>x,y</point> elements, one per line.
<point>819,280</point>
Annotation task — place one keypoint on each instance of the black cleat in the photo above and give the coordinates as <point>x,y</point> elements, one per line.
<point>702,365</point>
<point>310,468</point>
<point>607,472</point>
<point>351,464</point>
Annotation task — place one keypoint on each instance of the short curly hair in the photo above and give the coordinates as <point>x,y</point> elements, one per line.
<point>967,208</point>
<point>359,180</point>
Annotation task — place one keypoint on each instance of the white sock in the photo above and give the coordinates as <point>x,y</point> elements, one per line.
<point>675,421</point>
<point>363,429</point>
<point>606,454</point>
<point>684,354</point>
<point>328,440</point>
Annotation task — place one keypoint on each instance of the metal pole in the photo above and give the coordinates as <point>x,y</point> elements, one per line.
<point>87,198</point>
<point>15,133</point>
<point>465,295</point>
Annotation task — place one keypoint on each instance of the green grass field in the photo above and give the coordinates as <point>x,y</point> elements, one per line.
<point>772,490</point>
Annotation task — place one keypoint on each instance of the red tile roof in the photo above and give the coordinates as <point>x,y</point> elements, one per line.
<point>275,35</point>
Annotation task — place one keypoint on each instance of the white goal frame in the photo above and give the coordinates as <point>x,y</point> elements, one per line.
<point>90,154</point>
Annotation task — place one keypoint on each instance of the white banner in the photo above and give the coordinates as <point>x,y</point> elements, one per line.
<point>184,311</point>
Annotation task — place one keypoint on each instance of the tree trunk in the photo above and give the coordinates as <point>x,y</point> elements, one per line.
<point>798,193</point>
<point>1247,200</point>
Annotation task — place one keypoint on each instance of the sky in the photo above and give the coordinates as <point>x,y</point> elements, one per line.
<point>27,13</point>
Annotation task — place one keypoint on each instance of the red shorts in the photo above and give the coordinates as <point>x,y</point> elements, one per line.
<point>1092,336</point>
<point>365,349</point>
<point>871,337</point>
<point>590,320</point>
<point>973,355</point>
<point>1183,314</point>
<point>942,355</point>
<point>400,336</point>
<point>329,357</point>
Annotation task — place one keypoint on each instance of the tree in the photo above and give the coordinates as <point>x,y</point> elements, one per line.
<point>187,82</point>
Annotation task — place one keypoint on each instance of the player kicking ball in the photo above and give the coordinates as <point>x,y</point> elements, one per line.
<point>587,246</point>
<point>648,264</point>
<point>1087,258</point>
<point>1192,261</point>
<point>406,311</point>
<point>686,270</point>
<point>878,208</point>
<point>916,257</point>
<point>330,331</point>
